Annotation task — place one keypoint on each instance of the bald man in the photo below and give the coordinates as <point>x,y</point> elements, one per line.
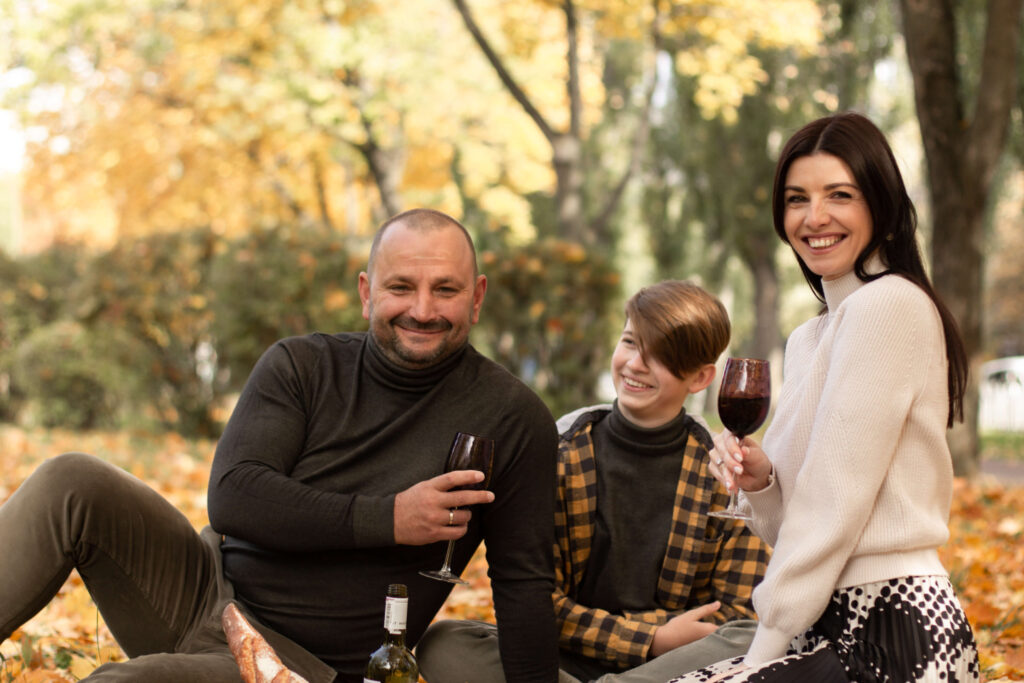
<point>327,485</point>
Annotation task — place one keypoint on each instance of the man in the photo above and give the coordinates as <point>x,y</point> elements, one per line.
<point>326,486</point>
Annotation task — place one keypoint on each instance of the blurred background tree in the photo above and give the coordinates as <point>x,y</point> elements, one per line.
<point>964,57</point>
<point>202,178</point>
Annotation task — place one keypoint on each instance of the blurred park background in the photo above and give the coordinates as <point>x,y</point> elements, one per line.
<point>186,181</point>
<point>182,182</point>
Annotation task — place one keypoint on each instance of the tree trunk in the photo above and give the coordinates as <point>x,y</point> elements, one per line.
<point>567,161</point>
<point>386,169</point>
<point>961,156</point>
<point>766,304</point>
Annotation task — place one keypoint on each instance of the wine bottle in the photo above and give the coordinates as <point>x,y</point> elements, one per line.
<point>392,662</point>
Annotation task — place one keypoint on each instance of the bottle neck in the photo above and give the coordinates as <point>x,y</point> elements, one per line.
<point>395,611</point>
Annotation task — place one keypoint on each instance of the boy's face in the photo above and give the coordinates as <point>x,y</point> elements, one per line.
<point>648,394</point>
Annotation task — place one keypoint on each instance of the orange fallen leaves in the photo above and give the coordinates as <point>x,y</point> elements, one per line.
<point>985,559</point>
<point>67,640</point>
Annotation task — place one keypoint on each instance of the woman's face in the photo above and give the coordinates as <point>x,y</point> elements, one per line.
<point>648,394</point>
<point>826,217</point>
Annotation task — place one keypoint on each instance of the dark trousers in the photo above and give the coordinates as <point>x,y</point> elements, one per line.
<point>156,581</point>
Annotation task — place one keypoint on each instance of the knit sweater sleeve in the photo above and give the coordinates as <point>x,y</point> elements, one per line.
<point>252,494</point>
<point>871,365</point>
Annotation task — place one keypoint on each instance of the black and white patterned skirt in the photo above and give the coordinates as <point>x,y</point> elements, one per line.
<point>905,630</point>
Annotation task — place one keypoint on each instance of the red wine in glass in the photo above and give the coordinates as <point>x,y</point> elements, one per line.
<point>743,401</point>
<point>468,452</point>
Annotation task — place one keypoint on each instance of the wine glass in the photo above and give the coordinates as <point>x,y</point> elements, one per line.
<point>469,452</point>
<point>743,401</point>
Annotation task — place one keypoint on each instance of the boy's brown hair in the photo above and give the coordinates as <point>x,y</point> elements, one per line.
<point>679,324</point>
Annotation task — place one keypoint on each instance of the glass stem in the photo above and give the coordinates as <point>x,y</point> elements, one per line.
<point>447,568</point>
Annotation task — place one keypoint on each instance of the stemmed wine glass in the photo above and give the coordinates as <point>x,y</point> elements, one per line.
<point>469,452</point>
<point>743,401</point>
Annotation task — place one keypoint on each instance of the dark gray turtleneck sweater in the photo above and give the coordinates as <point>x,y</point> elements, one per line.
<point>324,435</point>
<point>637,474</point>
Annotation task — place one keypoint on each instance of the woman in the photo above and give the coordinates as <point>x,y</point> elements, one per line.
<point>854,482</point>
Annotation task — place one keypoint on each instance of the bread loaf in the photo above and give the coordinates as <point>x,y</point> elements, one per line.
<point>257,661</point>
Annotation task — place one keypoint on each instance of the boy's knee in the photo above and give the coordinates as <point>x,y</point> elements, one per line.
<point>456,649</point>
<point>434,639</point>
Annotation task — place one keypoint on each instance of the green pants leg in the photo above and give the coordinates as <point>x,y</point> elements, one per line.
<point>454,651</point>
<point>155,581</point>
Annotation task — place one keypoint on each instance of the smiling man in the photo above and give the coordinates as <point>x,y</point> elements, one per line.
<point>328,484</point>
<point>421,290</point>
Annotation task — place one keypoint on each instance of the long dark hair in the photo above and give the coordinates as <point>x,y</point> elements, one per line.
<point>855,140</point>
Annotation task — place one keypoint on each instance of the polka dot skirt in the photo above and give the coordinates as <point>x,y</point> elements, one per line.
<point>910,629</point>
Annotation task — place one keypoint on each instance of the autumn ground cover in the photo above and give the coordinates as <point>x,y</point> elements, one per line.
<point>67,640</point>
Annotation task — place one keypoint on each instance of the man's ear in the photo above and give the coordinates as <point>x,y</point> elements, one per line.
<point>364,293</point>
<point>479,290</point>
<point>702,378</point>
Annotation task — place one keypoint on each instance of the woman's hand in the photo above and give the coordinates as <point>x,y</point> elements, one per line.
<point>739,463</point>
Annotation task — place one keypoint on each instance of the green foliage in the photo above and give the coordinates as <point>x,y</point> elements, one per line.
<point>547,317</point>
<point>277,283</point>
<point>158,330</point>
<point>1002,445</point>
<point>28,288</point>
<point>156,290</point>
<point>74,377</point>
<point>32,295</point>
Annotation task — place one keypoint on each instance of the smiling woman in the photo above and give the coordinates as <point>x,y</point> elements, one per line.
<point>827,220</point>
<point>852,486</point>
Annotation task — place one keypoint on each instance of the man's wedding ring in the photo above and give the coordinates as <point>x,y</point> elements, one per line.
<point>451,517</point>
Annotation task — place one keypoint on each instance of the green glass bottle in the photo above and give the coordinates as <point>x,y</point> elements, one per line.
<point>392,662</point>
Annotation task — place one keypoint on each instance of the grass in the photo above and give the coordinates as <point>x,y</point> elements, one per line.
<point>1005,446</point>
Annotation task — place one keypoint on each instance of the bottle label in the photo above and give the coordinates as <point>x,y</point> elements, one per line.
<point>395,612</point>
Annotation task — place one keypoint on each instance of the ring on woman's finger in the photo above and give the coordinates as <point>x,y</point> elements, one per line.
<point>451,517</point>
<point>719,462</point>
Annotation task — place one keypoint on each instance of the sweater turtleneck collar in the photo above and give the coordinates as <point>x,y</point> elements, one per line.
<point>390,374</point>
<point>653,440</point>
<point>843,286</point>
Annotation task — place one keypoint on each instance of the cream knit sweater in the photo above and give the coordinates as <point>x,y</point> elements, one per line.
<point>863,475</point>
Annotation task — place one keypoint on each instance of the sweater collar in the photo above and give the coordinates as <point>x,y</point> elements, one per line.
<point>843,286</point>
<point>395,376</point>
<point>665,438</point>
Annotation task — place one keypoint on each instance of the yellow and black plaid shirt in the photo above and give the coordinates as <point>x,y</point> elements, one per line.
<point>707,558</point>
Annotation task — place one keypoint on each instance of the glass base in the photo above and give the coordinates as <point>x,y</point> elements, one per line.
<point>444,575</point>
<point>728,514</point>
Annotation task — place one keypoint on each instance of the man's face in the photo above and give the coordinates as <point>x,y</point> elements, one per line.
<point>421,296</point>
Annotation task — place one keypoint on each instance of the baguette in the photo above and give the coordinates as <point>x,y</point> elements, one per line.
<point>257,661</point>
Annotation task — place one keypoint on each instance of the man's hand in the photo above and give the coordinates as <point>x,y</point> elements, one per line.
<point>684,629</point>
<point>425,513</point>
